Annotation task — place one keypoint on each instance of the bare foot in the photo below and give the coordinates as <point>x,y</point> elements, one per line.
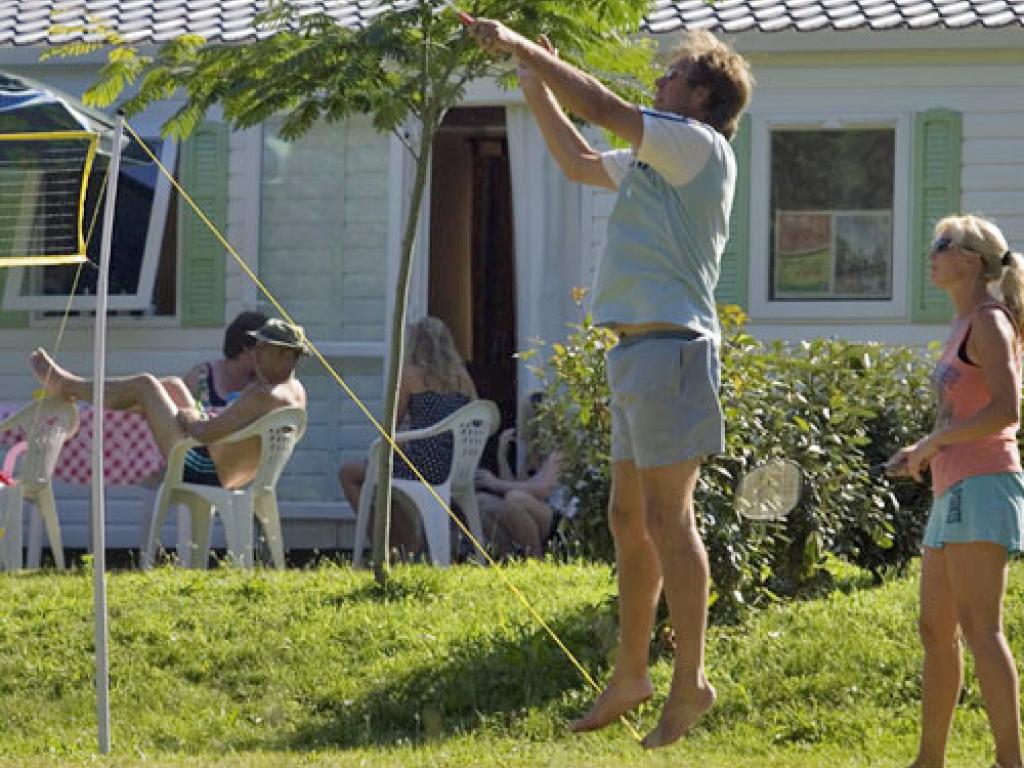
<point>683,708</point>
<point>54,379</point>
<point>615,700</point>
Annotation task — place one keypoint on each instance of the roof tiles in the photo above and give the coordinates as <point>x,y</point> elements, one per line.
<point>808,15</point>
<point>31,22</point>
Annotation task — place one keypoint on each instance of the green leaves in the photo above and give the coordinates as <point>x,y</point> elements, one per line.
<point>307,67</point>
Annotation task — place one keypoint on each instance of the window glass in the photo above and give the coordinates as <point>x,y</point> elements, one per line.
<point>831,214</point>
<point>143,258</point>
<point>40,196</point>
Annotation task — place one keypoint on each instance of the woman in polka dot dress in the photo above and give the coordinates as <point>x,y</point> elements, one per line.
<point>434,385</point>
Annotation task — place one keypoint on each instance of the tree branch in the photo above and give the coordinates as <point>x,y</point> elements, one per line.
<point>400,135</point>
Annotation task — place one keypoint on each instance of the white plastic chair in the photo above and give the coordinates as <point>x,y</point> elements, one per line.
<point>47,423</point>
<point>470,426</point>
<point>279,431</point>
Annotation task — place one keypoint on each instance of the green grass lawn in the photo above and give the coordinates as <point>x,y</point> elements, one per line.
<point>319,668</point>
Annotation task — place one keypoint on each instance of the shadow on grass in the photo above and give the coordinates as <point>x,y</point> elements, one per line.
<point>483,681</point>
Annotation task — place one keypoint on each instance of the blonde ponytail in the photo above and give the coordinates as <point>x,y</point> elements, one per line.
<point>1011,285</point>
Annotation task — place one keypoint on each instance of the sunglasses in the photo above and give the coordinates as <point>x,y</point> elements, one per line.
<point>672,72</point>
<point>942,244</point>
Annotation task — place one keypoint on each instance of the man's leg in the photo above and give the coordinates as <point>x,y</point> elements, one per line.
<point>119,394</point>
<point>668,502</point>
<point>639,586</point>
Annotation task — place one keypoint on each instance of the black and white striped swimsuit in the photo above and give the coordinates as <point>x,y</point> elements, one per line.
<point>199,467</point>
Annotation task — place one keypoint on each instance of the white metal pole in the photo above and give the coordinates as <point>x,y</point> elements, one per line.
<point>98,513</point>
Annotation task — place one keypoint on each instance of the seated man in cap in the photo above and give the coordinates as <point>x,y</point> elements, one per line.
<point>279,346</point>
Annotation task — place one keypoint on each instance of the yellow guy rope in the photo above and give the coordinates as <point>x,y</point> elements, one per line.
<point>380,428</point>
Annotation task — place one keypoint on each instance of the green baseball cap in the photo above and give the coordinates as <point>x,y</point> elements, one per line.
<point>281,334</point>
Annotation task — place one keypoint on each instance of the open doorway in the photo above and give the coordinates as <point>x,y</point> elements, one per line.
<point>472,250</point>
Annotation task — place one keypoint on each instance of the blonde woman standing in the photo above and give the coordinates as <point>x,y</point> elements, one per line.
<point>978,513</point>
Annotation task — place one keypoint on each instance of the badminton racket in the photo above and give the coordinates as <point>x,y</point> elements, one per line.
<point>771,491</point>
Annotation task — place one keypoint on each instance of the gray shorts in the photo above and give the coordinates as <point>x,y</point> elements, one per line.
<point>664,398</point>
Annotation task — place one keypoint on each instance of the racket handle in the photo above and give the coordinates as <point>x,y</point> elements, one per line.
<point>885,469</point>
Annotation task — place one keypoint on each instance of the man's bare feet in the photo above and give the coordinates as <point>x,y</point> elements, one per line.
<point>683,708</point>
<point>615,700</point>
<point>54,379</point>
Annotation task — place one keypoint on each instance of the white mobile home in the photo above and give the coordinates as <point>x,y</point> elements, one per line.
<point>870,119</point>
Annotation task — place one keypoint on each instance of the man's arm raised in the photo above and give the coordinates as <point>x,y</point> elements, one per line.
<point>580,93</point>
<point>578,160</point>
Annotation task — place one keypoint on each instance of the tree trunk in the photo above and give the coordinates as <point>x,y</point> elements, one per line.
<point>382,499</point>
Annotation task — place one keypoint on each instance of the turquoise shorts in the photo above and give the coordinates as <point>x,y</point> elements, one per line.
<point>980,508</point>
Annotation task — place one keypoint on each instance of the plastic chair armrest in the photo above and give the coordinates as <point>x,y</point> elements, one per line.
<point>255,429</point>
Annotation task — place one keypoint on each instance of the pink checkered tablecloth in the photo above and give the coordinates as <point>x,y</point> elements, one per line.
<point>129,453</point>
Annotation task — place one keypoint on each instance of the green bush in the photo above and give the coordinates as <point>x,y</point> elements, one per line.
<point>834,406</point>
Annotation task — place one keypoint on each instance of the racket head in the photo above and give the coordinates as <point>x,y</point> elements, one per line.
<point>771,491</point>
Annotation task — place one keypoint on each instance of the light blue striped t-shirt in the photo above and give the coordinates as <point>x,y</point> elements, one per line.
<point>668,228</point>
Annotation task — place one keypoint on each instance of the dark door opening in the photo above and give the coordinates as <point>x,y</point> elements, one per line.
<point>472,249</point>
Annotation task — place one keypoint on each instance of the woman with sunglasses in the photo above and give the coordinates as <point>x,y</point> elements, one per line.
<point>978,510</point>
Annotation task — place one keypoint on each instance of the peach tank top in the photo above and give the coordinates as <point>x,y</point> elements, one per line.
<point>961,392</point>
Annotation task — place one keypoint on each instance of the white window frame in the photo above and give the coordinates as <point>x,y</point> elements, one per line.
<point>14,298</point>
<point>762,306</point>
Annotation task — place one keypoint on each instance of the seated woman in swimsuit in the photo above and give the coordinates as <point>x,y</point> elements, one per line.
<point>279,346</point>
<point>434,385</point>
<point>216,383</point>
<point>519,516</point>
<point>520,509</point>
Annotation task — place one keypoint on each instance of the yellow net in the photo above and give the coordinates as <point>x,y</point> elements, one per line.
<point>44,178</point>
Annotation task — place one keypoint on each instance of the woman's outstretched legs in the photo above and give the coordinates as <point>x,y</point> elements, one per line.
<point>122,393</point>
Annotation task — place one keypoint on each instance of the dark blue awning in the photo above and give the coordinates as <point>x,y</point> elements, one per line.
<point>30,107</point>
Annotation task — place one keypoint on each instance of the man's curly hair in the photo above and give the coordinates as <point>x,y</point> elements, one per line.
<point>726,75</point>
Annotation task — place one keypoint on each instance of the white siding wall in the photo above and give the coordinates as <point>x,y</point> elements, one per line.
<point>991,99</point>
<point>323,255</point>
<point>313,215</point>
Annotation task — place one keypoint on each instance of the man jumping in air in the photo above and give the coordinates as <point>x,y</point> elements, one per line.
<point>654,286</point>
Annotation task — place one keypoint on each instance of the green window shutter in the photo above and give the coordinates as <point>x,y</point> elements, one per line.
<point>8,221</point>
<point>936,193</point>
<point>9,318</point>
<point>204,172</point>
<point>732,279</point>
